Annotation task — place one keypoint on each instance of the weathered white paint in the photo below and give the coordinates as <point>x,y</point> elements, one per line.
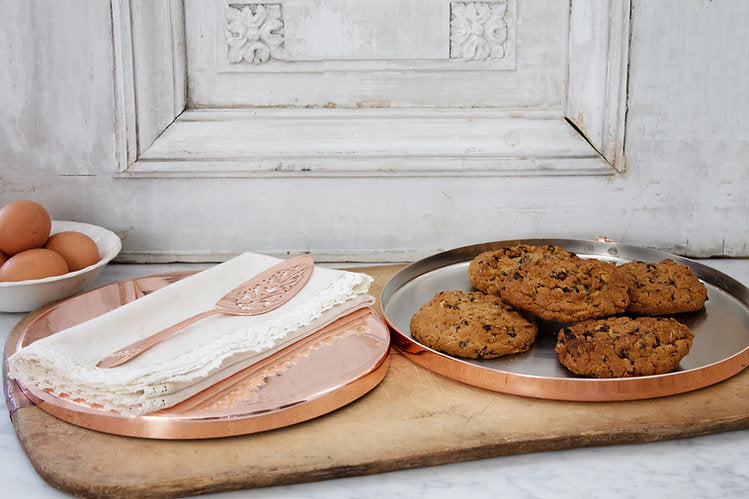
<point>157,63</point>
<point>344,30</point>
<point>293,36</point>
<point>353,60</point>
<point>399,140</point>
<point>596,74</point>
<point>684,187</point>
<point>374,142</point>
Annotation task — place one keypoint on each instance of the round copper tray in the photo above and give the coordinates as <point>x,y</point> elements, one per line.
<point>317,375</point>
<point>720,349</point>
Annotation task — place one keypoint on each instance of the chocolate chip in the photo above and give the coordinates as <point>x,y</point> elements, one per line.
<point>559,274</point>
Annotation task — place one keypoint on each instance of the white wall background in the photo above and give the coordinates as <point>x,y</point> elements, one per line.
<point>685,187</point>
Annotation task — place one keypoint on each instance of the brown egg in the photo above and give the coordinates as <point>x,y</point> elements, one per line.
<point>3,258</point>
<point>36,263</point>
<point>78,250</point>
<point>23,225</point>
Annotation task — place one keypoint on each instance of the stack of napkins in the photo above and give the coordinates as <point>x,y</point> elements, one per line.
<point>193,359</point>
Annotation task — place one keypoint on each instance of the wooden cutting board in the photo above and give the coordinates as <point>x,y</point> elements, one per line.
<point>414,418</point>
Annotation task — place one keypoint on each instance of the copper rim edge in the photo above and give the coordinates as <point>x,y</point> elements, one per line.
<point>171,429</point>
<point>571,389</point>
<point>198,417</point>
<point>553,388</point>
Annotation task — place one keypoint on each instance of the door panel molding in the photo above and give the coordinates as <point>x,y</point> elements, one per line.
<point>156,137</point>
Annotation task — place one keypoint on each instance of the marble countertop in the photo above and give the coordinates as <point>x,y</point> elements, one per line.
<point>707,466</point>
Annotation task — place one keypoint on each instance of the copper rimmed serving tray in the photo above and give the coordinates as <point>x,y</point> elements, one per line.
<point>307,379</point>
<point>720,349</point>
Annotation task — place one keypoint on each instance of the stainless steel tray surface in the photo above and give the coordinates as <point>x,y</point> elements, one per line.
<point>721,328</point>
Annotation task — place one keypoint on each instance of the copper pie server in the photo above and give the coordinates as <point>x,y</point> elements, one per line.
<point>265,292</point>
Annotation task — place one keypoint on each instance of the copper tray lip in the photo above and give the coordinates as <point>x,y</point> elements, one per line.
<point>166,427</point>
<point>572,388</point>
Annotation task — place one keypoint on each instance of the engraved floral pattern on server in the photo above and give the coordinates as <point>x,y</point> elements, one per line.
<point>478,30</point>
<point>254,33</point>
<point>272,290</point>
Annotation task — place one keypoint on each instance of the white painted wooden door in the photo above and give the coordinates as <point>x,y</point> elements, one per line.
<point>396,87</point>
<point>399,90</point>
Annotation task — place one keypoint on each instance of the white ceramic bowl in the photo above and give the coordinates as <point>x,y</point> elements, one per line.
<point>23,296</point>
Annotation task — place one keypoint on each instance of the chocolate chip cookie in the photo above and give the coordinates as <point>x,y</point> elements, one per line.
<point>623,347</point>
<point>567,290</point>
<point>472,325</point>
<point>663,288</point>
<point>488,270</point>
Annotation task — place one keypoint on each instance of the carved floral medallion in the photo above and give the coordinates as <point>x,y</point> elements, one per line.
<point>254,32</point>
<point>478,30</point>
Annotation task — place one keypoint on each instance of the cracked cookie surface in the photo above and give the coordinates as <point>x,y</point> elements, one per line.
<point>472,325</point>
<point>567,290</point>
<point>663,288</point>
<point>623,346</point>
<point>489,269</point>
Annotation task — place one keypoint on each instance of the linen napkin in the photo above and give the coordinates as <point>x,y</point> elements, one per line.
<point>194,358</point>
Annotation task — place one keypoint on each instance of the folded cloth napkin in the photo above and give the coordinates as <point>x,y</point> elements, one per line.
<point>194,358</point>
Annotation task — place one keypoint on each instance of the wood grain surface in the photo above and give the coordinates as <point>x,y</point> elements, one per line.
<point>414,418</point>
